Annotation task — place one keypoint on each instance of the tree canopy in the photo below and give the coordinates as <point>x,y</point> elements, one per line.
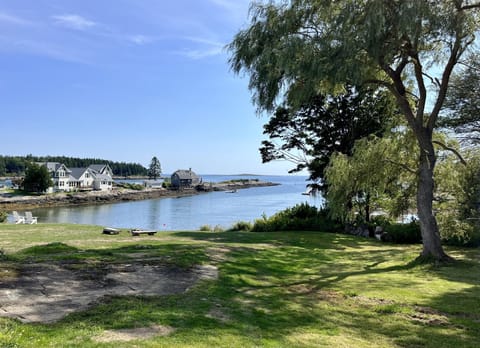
<point>155,170</point>
<point>37,178</point>
<point>14,165</point>
<point>462,105</point>
<point>326,124</point>
<point>291,50</point>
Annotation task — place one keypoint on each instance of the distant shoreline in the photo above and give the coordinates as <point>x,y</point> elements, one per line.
<point>8,202</point>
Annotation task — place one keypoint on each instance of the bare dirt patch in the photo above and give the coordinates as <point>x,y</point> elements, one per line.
<point>47,292</point>
<point>126,335</point>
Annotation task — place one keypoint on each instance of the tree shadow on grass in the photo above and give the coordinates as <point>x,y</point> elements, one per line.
<point>306,239</point>
<point>264,296</point>
<point>274,293</point>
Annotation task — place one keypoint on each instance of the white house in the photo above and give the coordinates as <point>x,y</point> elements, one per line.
<point>95,176</point>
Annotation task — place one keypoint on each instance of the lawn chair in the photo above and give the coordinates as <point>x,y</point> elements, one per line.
<point>29,219</point>
<point>18,219</point>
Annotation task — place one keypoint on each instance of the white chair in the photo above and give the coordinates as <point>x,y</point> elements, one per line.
<point>18,219</point>
<point>29,219</point>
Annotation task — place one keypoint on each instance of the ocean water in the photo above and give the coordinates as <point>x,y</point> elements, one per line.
<point>191,212</point>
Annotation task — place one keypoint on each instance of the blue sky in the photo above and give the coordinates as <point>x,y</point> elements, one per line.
<point>127,80</point>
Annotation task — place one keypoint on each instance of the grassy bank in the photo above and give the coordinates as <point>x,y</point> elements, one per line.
<point>294,289</point>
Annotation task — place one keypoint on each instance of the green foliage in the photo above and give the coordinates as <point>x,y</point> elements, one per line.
<point>376,175</point>
<point>462,105</point>
<point>403,233</point>
<point>37,178</point>
<point>208,228</point>
<point>458,200</point>
<point>155,169</point>
<point>243,226</point>
<point>324,125</point>
<point>218,228</point>
<point>12,165</point>
<point>292,50</point>
<point>3,216</point>
<point>15,165</point>
<point>300,217</point>
<point>454,231</point>
<point>131,186</point>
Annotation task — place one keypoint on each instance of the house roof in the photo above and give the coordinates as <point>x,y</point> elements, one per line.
<point>103,177</point>
<point>71,178</point>
<point>97,167</point>
<point>77,172</point>
<point>52,166</point>
<point>185,174</point>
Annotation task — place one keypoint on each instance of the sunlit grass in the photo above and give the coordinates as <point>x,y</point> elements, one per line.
<point>293,289</point>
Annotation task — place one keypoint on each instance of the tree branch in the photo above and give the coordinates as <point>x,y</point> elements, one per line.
<point>451,149</point>
<point>452,60</point>
<point>404,166</point>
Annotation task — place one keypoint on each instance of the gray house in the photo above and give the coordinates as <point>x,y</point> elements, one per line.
<point>185,179</point>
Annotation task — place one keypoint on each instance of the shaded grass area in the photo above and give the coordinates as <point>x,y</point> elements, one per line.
<point>298,289</point>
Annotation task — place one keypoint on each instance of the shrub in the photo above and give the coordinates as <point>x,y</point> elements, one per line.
<point>381,220</point>
<point>3,216</point>
<point>218,228</point>
<point>457,232</point>
<point>262,225</point>
<point>241,226</point>
<point>300,217</point>
<point>131,186</point>
<point>208,228</point>
<point>403,233</point>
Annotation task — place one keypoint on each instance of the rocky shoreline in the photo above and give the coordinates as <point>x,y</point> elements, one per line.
<point>12,202</point>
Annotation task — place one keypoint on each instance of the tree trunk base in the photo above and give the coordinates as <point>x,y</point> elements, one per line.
<point>437,261</point>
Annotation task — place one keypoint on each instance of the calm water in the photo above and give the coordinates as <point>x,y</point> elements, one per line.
<point>189,213</point>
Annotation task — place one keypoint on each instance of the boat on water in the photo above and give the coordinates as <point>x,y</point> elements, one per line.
<point>231,191</point>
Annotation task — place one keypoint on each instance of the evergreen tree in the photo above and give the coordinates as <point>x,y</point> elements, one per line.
<point>155,170</point>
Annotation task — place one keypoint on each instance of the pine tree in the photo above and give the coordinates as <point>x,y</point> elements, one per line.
<point>155,170</point>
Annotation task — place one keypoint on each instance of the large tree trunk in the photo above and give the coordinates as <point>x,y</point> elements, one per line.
<point>432,247</point>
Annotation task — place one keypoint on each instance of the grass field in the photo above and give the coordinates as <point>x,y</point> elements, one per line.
<point>294,289</point>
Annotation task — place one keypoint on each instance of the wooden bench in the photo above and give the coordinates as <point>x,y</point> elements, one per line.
<point>137,232</point>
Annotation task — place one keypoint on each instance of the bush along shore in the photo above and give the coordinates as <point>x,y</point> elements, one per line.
<point>12,201</point>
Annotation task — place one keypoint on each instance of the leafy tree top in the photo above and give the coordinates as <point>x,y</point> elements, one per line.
<point>308,45</point>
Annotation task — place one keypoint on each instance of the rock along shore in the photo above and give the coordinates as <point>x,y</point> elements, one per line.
<point>12,202</point>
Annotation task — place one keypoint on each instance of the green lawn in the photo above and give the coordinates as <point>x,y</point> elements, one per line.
<point>297,289</point>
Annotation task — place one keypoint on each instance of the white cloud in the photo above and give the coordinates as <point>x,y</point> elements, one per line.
<point>7,18</point>
<point>202,53</point>
<point>43,48</point>
<point>208,48</point>
<point>140,39</point>
<point>74,21</point>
